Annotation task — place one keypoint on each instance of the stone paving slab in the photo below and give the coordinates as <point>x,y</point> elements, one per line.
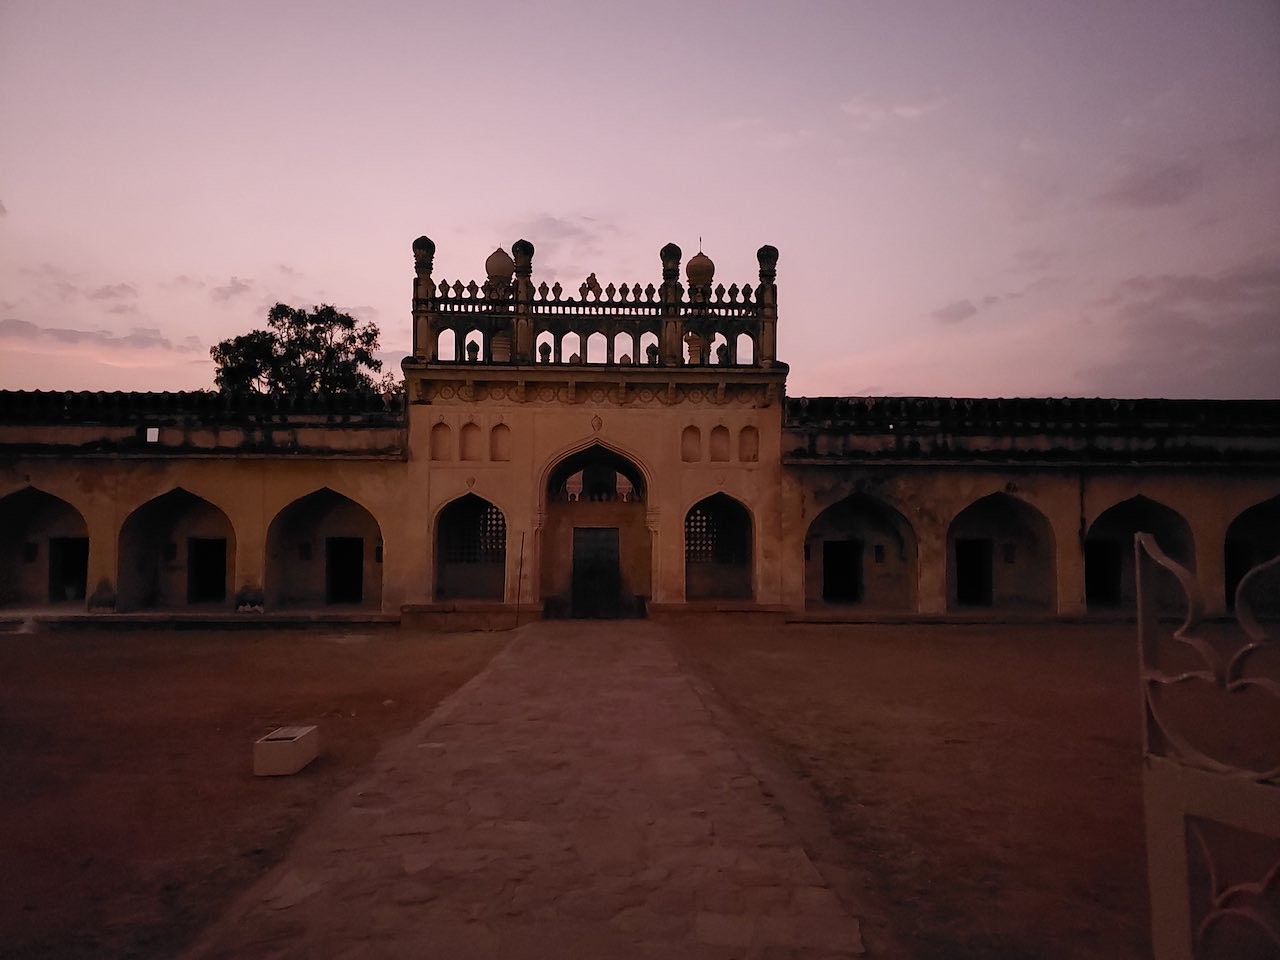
<point>577,798</point>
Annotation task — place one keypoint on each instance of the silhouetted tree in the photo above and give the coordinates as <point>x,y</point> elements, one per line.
<point>321,351</point>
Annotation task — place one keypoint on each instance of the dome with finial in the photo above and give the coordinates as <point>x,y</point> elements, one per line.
<point>700,270</point>
<point>499,266</point>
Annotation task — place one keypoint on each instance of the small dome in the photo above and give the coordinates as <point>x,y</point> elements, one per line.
<point>424,245</point>
<point>700,270</point>
<point>499,266</point>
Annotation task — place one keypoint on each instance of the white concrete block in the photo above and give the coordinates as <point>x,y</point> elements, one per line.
<point>285,750</point>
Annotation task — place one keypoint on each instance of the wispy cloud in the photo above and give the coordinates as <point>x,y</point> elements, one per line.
<point>868,113</point>
<point>955,312</point>
<point>564,244</point>
<point>1192,334</point>
<point>4,211</point>
<point>24,332</point>
<point>231,289</point>
<point>1151,184</point>
<point>114,291</point>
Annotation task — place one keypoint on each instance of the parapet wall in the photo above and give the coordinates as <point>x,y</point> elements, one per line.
<point>1068,430</point>
<point>119,424</point>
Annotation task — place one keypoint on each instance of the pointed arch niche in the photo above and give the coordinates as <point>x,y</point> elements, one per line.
<point>470,550</point>
<point>44,552</point>
<point>596,548</point>
<point>324,549</point>
<point>176,550</point>
<point>1000,554</point>
<point>860,551</point>
<point>1254,538</point>
<point>717,550</point>
<point>1108,553</point>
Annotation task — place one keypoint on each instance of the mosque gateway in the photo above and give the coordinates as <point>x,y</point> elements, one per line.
<point>620,451</point>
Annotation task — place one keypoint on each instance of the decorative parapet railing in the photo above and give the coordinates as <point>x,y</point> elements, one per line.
<point>1053,429</point>
<point>200,422</point>
<point>508,319</point>
<point>1211,767</point>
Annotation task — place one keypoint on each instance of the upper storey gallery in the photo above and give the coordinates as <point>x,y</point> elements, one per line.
<point>508,319</point>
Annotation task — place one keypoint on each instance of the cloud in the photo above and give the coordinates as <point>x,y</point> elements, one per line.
<point>114,291</point>
<point>184,282</point>
<point>955,312</point>
<point>138,338</point>
<point>1150,185</point>
<point>564,242</point>
<point>232,288</point>
<point>287,270</point>
<point>1035,259</point>
<point>1192,334</point>
<point>4,211</point>
<point>868,113</point>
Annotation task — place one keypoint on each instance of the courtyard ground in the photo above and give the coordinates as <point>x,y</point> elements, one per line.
<point>982,779</point>
<point>129,815</point>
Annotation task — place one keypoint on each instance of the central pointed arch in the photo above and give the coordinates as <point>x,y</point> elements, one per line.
<point>596,548</point>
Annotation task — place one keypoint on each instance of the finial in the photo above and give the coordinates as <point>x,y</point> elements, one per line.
<point>768,258</point>
<point>424,252</point>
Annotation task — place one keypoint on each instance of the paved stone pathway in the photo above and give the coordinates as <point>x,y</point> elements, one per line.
<point>577,799</point>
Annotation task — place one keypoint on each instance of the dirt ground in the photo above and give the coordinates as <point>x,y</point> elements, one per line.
<point>129,815</point>
<point>984,778</point>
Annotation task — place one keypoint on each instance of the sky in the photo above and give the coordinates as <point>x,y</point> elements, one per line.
<point>977,198</point>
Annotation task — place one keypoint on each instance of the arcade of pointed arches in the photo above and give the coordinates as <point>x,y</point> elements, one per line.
<point>178,549</point>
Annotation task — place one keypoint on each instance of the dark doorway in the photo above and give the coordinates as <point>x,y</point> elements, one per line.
<point>597,577</point>
<point>68,568</point>
<point>206,569</point>
<point>1103,572</point>
<point>973,572</point>
<point>842,571</point>
<point>344,569</point>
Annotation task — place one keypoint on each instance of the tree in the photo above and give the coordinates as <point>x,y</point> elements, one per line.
<point>321,351</point>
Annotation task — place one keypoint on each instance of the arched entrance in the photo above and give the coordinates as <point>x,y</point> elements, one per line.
<point>860,551</point>
<point>176,550</point>
<point>1000,554</point>
<point>44,553</point>
<point>717,550</point>
<point>324,549</point>
<point>596,547</point>
<point>1108,553</point>
<point>471,550</point>
<point>1254,538</point>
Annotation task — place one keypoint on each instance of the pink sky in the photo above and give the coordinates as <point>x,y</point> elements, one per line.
<point>981,198</point>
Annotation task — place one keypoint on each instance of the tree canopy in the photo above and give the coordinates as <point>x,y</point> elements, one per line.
<point>318,351</point>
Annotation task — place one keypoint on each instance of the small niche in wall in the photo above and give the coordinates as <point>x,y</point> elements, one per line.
<point>691,444</point>
<point>720,444</point>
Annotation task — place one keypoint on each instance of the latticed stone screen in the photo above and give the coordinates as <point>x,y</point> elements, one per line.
<point>717,532</point>
<point>473,531</point>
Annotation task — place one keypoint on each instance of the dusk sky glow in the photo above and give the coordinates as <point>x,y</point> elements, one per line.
<point>987,198</point>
